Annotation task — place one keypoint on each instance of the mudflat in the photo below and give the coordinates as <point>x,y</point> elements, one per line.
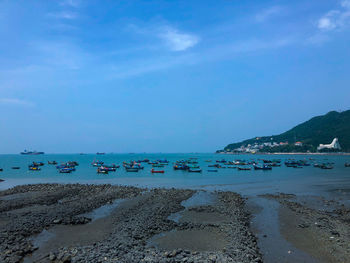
<point>60,223</point>
<point>108,223</point>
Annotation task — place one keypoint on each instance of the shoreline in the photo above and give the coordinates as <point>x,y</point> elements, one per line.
<point>51,223</point>
<point>291,153</point>
<point>80,223</point>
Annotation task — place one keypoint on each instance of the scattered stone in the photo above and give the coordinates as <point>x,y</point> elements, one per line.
<point>57,221</point>
<point>52,256</point>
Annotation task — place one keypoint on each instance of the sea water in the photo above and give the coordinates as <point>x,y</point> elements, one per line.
<point>308,180</point>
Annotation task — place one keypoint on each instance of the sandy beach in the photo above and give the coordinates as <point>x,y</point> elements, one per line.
<point>105,223</point>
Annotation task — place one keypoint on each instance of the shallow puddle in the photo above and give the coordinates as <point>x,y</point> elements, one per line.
<point>200,198</point>
<point>73,235</point>
<point>266,226</point>
<point>208,239</point>
<point>104,210</point>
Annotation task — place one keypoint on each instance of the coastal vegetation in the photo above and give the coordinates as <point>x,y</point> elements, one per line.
<point>305,137</point>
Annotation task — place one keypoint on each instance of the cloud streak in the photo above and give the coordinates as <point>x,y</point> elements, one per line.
<point>268,13</point>
<point>15,102</point>
<point>178,41</point>
<point>64,15</point>
<point>174,39</point>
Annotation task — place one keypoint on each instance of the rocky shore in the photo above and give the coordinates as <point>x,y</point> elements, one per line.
<point>141,228</point>
<point>316,225</point>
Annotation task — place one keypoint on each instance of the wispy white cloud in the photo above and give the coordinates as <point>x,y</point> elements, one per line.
<point>64,15</point>
<point>178,41</point>
<point>336,19</point>
<point>171,37</point>
<point>220,52</point>
<point>15,101</point>
<point>267,13</point>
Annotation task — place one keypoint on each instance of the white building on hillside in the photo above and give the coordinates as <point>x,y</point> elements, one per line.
<point>334,145</point>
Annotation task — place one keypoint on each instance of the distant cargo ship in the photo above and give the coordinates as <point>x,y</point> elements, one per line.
<point>25,152</point>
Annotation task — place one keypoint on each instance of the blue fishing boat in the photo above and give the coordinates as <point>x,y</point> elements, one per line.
<point>263,167</point>
<point>65,170</point>
<point>133,170</point>
<point>244,168</point>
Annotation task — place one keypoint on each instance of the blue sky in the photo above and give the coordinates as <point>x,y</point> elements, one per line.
<point>166,76</point>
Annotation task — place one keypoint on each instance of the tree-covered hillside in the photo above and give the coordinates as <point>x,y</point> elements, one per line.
<point>320,129</point>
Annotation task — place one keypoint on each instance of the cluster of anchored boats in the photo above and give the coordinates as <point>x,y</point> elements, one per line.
<point>66,168</point>
<point>131,166</point>
<point>189,165</point>
<point>103,168</point>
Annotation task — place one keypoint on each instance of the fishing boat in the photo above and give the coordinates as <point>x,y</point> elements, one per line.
<point>264,167</point>
<point>34,168</point>
<point>134,170</point>
<point>290,163</point>
<point>65,171</point>
<point>347,164</point>
<point>102,170</point>
<point>212,171</point>
<point>157,171</point>
<point>180,167</point>
<point>113,166</point>
<point>267,161</point>
<point>108,169</point>
<point>195,170</point>
<point>97,163</point>
<point>38,164</point>
<point>326,166</point>
<point>72,163</point>
<point>53,162</point>
<point>1,169</point>
<point>207,161</point>
<point>244,168</point>
<point>15,168</point>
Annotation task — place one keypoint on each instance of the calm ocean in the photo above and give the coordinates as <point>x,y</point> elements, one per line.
<point>308,180</point>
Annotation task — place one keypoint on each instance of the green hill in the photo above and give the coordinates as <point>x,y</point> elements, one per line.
<point>320,129</point>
